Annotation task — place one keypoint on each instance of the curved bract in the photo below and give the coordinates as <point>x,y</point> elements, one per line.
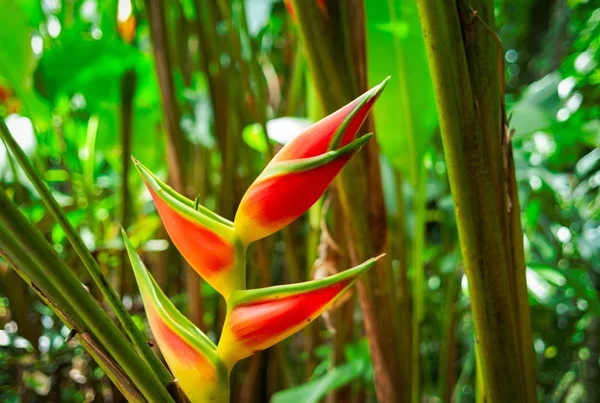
<point>302,170</point>
<point>190,354</point>
<point>258,319</point>
<point>215,247</point>
<point>204,238</point>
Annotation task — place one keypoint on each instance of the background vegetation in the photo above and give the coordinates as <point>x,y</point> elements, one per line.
<point>204,92</point>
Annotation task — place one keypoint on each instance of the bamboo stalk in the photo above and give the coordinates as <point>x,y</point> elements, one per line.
<point>463,54</point>
<point>84,254</point>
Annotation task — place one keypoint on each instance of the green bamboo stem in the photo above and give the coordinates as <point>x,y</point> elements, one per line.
<point>447,343</point>
<point>135,335</point>
<point>419,210</point>
<point>463,56</point>
<point>480,392</point>
<point>29,252</point>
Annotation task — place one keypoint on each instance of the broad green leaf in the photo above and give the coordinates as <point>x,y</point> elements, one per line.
<point>91,67</point>
<point>406,118</point>
<point>17,61</point>
<point>16,56</point>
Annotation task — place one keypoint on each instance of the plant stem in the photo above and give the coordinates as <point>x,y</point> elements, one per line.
<point>398,245</point>
<point>337,82</point>
<point>419,210</point>
<point>463,55</point>
<point>446,371</point>
<point>135,335</point>
<point>164,68</point>
<point>106,363</point>
<point>157,16</point>
<point>128,86</point>
<point>249,71</point>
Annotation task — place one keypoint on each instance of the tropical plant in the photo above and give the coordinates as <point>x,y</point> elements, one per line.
<point>216,248</point>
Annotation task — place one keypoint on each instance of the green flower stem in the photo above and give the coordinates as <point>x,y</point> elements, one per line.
<point>135,335</point>
<point>30,253</point>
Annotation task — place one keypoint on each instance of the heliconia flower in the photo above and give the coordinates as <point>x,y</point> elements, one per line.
<point>302,170</point>
<point>258,319</point>
<point>189,353</point>
<point>204,238</point>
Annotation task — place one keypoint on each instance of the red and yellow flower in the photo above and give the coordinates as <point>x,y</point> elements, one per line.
<point>205,239</point>
<point>215,247</point>
<point>302,170</point>
<point>258,319</point>
<point>190,354</point>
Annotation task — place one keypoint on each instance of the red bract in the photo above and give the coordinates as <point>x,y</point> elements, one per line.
<point>204,239</point>
<point>191,355</point>
<point>302,170</point>
<point>215,247</point>
<point>258,319</point>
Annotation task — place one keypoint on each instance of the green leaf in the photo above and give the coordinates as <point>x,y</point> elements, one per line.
<point>84,65</point>
<point>315,390</point>
<point>16,57</point>
<point>406,118</point>
<point>17,61</point>
<point>254,137</point>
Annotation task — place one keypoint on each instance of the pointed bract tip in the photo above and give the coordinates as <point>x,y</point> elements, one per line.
<point>378,89</point>
<point>381,86</point>
<point>366,265</point>
<point>376,258</point>
<point>380,256</point>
